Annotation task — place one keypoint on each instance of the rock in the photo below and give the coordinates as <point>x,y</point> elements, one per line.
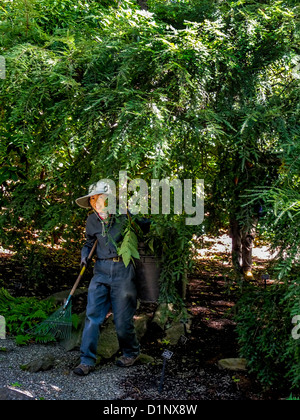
<point>177,330</point>
<point>174,333</point>
<point>145,359</point>
<point>60,297</point>
<point>40,365</point>
<point>108,344</point>
<point>7,394</point>
<point>141,324</point>
<point>75,340</point>
<point>233,364</point>
<point>161,315</point>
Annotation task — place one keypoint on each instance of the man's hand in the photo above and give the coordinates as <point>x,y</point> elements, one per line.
<point>83,262</point>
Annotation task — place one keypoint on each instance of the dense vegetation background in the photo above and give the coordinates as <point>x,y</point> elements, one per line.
<point>173,89</point>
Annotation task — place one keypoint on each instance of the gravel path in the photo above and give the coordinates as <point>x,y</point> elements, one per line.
<point>58,383</point>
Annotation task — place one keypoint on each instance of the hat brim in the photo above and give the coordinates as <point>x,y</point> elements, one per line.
<point>84,202</point>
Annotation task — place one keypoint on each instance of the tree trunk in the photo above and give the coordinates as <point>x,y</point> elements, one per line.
<point>143,4</point>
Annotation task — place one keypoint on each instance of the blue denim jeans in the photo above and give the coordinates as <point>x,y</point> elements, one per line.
<point>112,286</point>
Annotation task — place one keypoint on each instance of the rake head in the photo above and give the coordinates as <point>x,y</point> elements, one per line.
<point>57,326</point>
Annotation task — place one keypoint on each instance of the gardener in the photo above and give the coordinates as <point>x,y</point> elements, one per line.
<point>112,284</point>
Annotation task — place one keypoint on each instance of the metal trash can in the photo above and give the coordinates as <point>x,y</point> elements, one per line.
<point>148,270</point>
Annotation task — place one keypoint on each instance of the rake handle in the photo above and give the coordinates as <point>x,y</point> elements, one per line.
<point>81,274</point>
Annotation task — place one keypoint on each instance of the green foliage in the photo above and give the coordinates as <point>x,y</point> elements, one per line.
<point>265,334</point>
<point>272,352</point>
<point>191,89</point>
<point>93,88</point>
<point>128,249</point>
<point>292,398</point>
<point>22,314</point>
<point>173,241</point>
<point>282,208</point>
<point>176,13</point>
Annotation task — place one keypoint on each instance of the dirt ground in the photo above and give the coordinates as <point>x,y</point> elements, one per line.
<point>192,373</point>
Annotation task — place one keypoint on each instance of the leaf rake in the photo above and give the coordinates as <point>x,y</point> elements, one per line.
<point>59,325</point>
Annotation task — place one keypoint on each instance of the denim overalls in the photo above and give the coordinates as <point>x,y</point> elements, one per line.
<point>113,285</point>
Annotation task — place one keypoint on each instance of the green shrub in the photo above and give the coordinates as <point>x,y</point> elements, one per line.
<point>292,398</point>
<point>264,326</point>
<point>22,314</point>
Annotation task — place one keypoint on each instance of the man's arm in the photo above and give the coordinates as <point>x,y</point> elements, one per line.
<point>90,240</point>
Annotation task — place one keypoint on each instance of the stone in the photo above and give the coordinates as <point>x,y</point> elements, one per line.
<point>174,333</point>
<point>108,344</point>
<point>161,315</point>
<point>40,365</point>
<point>75,340</point>
<point>8,394</point>
<point>233,364</point>
<point>145,359</point>
<point>60,297</point>
<point>141,325</point>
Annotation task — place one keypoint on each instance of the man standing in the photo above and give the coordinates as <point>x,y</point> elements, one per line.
<point>112,284</point>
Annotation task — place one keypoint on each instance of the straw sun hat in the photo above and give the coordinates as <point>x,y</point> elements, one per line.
<point>98,188</point>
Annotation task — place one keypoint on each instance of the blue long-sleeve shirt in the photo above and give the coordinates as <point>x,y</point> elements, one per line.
<point>106,247</point>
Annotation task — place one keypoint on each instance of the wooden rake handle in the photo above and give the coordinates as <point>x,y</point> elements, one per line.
<point>83,270</point>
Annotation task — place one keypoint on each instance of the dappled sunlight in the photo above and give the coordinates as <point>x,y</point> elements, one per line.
<point>213,285</point>
<point>205,246</point>
<point>213,260</point>
<point>5,252</point>
<point>211,246</point>
<point>219,324</point>
<point>263,253</point>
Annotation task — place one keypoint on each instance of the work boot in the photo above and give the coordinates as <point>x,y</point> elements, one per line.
<point>83,370</point>
<point>127,361</point>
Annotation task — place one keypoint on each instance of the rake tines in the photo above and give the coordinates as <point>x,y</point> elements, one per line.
<point>57,326</point>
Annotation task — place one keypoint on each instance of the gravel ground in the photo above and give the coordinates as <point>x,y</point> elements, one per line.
<point>58,383</point>
<point>183,381</point>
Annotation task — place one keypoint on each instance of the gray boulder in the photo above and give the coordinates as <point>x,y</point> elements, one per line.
<point>7,394</point>
<point>108,344</point>
<point>43,364</point>
<point>75,340</point>
<point>234,364</point>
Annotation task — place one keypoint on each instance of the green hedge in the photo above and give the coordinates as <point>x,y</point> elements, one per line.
<point>264,326</point>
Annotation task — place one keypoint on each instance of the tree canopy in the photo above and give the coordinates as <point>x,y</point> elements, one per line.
<point>188,89</point>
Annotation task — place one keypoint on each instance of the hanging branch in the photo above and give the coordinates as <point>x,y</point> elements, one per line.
<point>27,16</point>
